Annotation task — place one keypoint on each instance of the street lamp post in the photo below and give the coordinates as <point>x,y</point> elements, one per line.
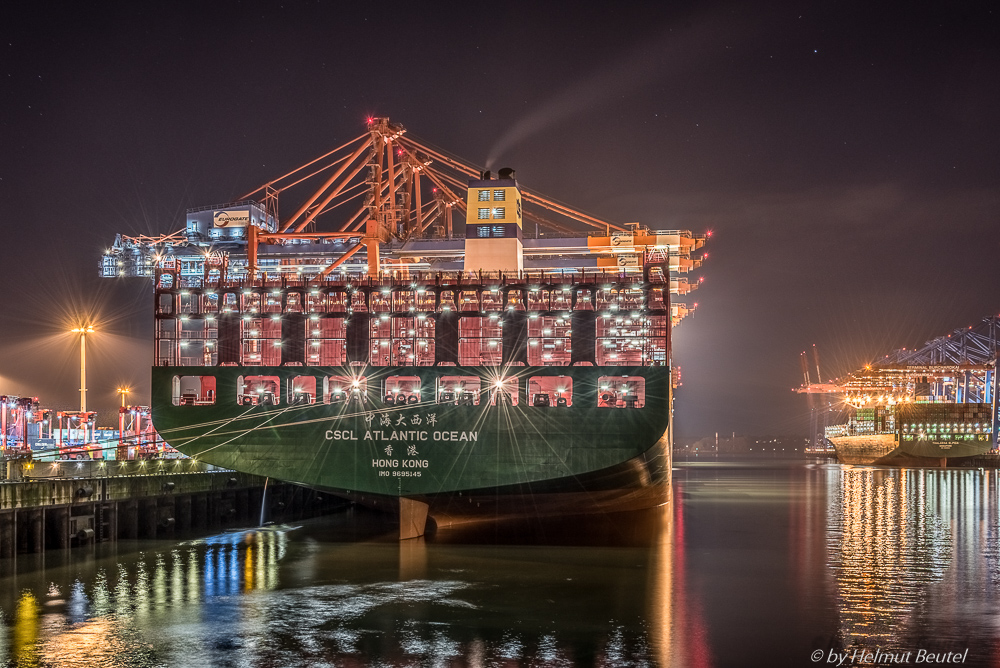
<point>122,450</point>
<point>83,331</point>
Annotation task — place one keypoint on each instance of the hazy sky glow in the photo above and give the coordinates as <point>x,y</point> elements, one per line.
<point>844,154</point>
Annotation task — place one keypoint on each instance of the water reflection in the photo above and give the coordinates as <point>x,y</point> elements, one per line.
<point>886,546</point>
<point>748,565</point>
<point>286,597</point>
<point>677,635</point>
<point>102,616</point>
<point>26,626</point>
<point>914,552</point>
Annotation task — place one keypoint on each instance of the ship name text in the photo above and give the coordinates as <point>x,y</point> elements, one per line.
<point>412,435</point>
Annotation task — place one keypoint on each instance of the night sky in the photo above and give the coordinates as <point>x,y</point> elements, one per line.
<point>845,156</point>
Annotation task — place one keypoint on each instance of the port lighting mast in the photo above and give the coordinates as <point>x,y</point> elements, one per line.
<point>83,331</point>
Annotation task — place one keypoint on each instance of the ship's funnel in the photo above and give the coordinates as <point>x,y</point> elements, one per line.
<point>493,226</point>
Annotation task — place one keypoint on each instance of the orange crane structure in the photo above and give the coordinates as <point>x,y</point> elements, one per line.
<point>387,199</point>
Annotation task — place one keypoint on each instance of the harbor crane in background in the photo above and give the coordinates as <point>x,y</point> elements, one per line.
<point>385,202</point>
<point>959,367</point>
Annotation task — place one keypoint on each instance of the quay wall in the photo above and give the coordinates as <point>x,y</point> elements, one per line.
<point>45,507</point>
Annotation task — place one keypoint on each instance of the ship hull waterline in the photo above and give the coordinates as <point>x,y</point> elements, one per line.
<point>465,462</point>
<point>884,449</point>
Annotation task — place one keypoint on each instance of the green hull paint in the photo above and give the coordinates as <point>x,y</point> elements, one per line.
<point>923,431</point>
<point>426,449</point>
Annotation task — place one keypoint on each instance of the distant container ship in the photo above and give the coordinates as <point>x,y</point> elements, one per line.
<point>914,432</point>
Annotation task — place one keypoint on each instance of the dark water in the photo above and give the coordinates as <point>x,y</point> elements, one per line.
<point>755,564</point>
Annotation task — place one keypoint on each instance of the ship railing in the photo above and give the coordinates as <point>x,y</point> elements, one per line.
<point>226,205</point>
<point>684,234</point>
<point>442,279</point>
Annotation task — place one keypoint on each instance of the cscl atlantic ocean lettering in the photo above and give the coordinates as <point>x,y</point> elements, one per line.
<point>340,435</point>
<point>408,436</point>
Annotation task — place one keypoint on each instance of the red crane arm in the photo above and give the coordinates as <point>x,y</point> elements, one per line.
<point>329,182</point>
<point>301,167</point>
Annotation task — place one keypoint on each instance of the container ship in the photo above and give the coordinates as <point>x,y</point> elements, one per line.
<point>914,430</point>
<point>925,406</point>
<point>508,384</point>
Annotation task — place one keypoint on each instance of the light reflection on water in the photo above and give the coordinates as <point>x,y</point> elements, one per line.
<point>915,554</point>
<point>751,564</point>
<point>106,614</point>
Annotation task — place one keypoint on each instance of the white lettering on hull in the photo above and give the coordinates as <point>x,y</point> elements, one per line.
<point>402,440</point>
<point>456,436</point>
<point>411,436</point>
<point>340,435</point>
<point>400,463</point>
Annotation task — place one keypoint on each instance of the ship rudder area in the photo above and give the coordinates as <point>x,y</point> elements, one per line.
<point>412,518</point>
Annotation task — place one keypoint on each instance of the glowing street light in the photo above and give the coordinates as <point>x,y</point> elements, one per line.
<point>83,331</point>
<point>124,392</point>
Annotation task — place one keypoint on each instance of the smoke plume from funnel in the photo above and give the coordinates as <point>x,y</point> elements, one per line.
<point>670,55</point>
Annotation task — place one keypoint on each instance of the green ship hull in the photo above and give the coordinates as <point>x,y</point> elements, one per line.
<point>922,432</point>
<point>490,457</point>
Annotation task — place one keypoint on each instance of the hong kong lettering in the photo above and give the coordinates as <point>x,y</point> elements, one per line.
<point>399,463</point>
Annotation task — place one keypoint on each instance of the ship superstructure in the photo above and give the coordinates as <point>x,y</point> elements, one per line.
<point>387,202</point>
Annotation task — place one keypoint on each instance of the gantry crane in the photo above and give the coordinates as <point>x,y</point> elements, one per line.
<point>389,198</point>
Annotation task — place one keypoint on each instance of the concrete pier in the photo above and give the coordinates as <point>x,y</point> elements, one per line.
<point>53,506</point>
